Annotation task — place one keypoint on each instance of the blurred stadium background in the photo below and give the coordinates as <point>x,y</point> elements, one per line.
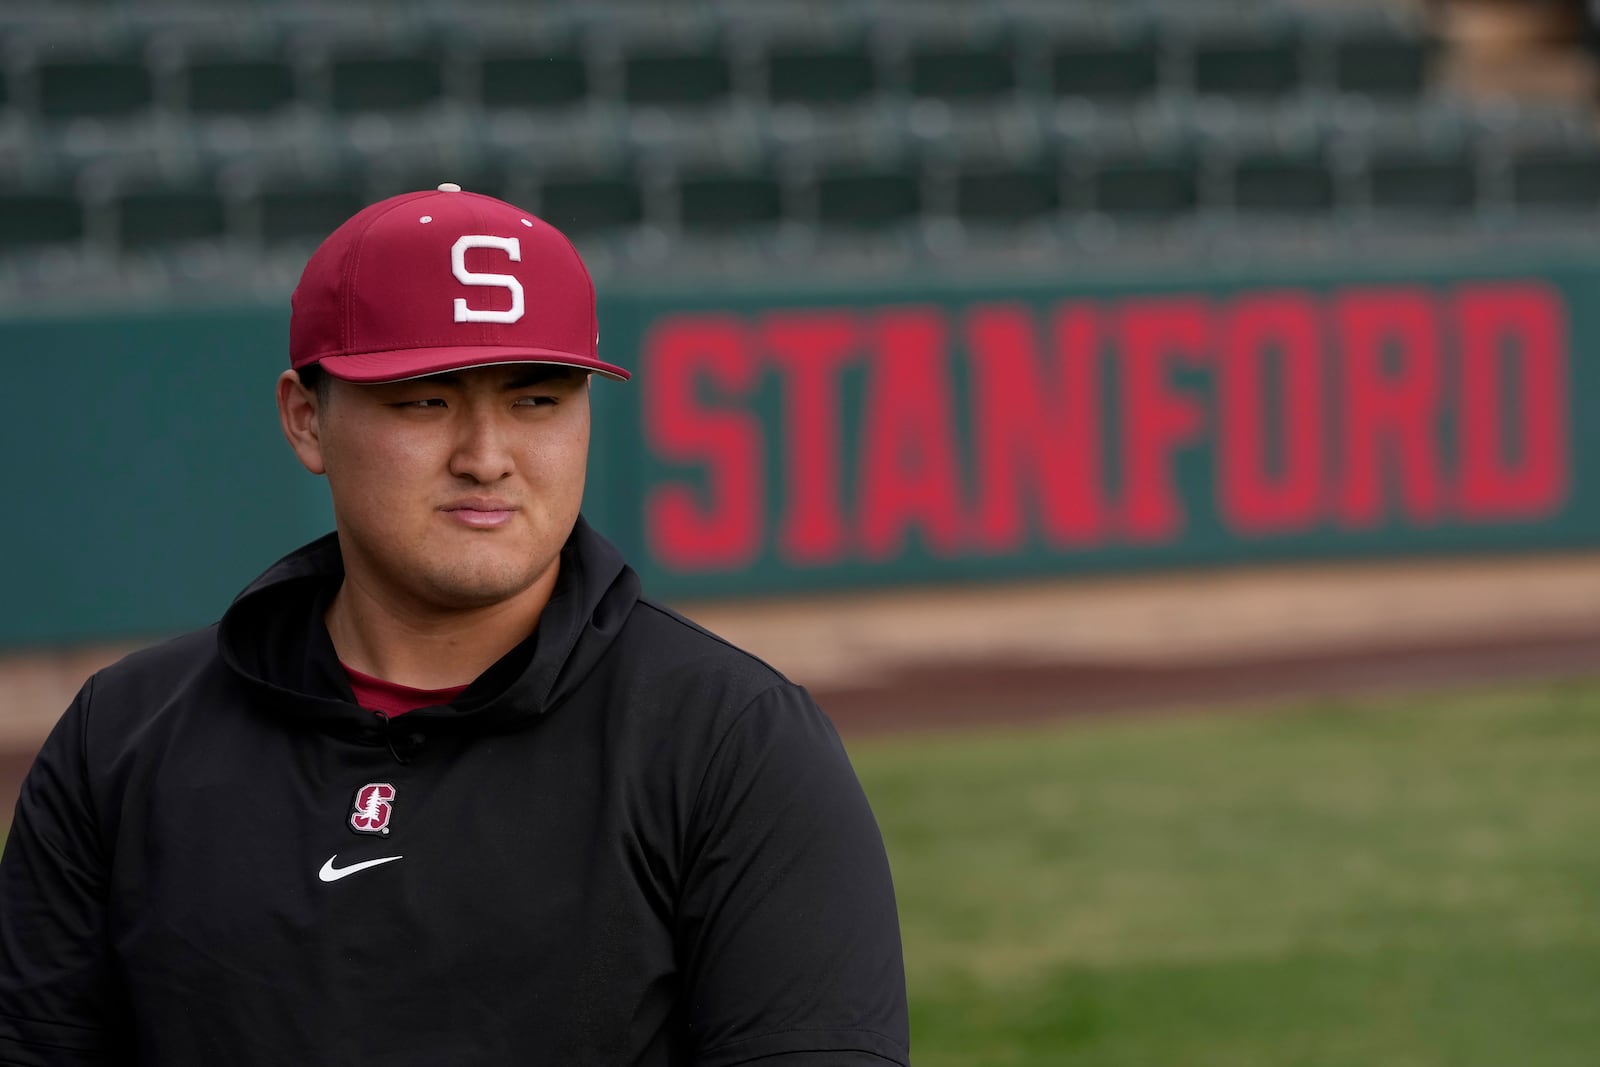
<point>155,149</point>
<point>1010,361</point>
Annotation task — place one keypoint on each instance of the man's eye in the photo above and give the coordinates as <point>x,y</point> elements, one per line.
<point>535,401</point>
<point>426,402</point>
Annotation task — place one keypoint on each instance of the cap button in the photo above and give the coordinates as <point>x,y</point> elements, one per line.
<point>449,187</point>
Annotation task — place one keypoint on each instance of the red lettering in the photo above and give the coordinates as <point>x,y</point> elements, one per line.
<point>908,463</point>
<point>1030,431</point>
<point>810,348</point>
<point>1513,344</point>
<point>1257,495</point>
<point>1157,419</point>
<point>719,528</point>
<point>1390,341</point>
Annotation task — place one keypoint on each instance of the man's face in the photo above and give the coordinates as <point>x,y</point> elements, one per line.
<point>455,491</point>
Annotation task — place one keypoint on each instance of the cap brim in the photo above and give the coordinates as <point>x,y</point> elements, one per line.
<point>370,368</point>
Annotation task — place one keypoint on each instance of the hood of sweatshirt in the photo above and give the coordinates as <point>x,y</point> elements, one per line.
<point>274,639</point>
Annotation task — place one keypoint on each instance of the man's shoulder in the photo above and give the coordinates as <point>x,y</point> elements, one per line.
<point>159,671</point>
<point>695,693</point>
<point>667,640</point>
<point>126,707</point>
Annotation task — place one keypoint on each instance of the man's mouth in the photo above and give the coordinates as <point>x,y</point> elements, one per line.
<point>480,514</point>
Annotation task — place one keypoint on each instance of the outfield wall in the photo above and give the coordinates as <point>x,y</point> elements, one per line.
<point>798,440</point>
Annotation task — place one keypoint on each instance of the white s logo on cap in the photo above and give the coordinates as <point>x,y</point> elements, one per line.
<point>458,265</point>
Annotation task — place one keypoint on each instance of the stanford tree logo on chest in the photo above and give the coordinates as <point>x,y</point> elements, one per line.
<point>373,804</point>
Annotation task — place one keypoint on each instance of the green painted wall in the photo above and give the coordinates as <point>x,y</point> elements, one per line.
<point>797,440</point>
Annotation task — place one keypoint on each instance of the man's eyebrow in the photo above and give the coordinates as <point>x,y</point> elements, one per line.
<point>535,374</point>
<point>540,373</point>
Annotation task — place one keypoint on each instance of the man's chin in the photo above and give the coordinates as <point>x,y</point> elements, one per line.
<point>473,596</point>
<point>475,588</point>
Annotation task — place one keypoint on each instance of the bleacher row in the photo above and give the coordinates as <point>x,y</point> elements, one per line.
<point>889,182</point>
<point>256,73</point>
<point>258,127</point>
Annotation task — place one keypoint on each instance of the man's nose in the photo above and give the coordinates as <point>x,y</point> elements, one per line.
<point>482,448</point>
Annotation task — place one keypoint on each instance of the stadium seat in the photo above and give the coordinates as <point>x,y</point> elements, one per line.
<point>154,217</point>
<point>1381,65</point>
<point>39,217</point>
<point>675,77</point>
<point>1145,187</point>
<point>1000,194</point>
<point>225,85</point>
<point>366,82</point>
<point>1113,70</point>
<point>1255,68</point>
<point>590,203</point>
<point>957,72</point>
<point>1281,185</point>
<point>1419,182</point>
<point>721,200</point>
<point>819,74</point>
<point>867,196</point>
<point>1563,179</point>
<point>305,211</point>
<point>108,86</point>
<point>531,77</point>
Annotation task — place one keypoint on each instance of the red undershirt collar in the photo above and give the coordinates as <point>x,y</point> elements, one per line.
<point>391,698</point>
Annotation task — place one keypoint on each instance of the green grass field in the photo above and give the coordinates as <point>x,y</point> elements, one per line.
<point>1407,882</point>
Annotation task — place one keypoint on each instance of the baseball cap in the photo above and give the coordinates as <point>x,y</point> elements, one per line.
<point>440,280</point>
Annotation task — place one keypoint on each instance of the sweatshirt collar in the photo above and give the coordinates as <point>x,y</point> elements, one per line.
<point>274,640</point>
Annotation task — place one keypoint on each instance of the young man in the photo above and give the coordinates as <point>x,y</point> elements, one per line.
<point>442,787</point>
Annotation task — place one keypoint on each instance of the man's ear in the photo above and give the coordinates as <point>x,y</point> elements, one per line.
<point>297,412</point>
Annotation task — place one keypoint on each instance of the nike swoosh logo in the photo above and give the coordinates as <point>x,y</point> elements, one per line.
<point>330,873</point>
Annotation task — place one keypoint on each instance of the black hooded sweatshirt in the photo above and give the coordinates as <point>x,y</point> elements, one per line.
<point>627,842</point>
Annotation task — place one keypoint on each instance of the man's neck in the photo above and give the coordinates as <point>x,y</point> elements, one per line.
<point>428,649</point>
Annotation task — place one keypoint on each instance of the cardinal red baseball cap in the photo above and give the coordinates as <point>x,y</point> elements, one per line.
<point>440,280</point>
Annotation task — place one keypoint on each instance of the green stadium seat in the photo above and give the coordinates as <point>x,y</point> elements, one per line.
<point>1260,68</point>
<point>1112,71</point>
<point>1556,178</point>
<point>720,200</point>
<point>363,82</point>
<point>590,203</point>
<point>1145,187</point>
<point>970,71</point>
<point>1281,185</point>
<point>1382,65</point>
<point>997,194</point>
<point>255,85</point>
<point>675,78</point>
<point>101,87</point>
<point>31,217</point>
<point>155,217</point>
<point>867,196</point>
<point>819,74</point>
<point>1411,181</point>
<point>305,211</point>
<point>531,77</point>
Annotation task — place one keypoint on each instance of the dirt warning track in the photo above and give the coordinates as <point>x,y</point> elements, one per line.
<point>998,693</point>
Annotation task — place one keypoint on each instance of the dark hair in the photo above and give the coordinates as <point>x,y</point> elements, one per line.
<point>319,381</point>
